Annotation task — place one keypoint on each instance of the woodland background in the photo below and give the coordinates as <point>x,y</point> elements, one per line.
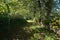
<point>29,19</point>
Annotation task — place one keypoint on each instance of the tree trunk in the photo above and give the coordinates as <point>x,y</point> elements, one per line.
<point>48,7</point>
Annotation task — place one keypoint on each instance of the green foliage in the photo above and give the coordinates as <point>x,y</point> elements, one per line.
<point>47,37</point>
<point>15,15</point>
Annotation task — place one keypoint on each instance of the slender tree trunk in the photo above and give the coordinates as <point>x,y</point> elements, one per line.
<point>39,5</point>
<point>48,6</point>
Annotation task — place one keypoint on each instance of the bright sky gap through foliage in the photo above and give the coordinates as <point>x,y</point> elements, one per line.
<point>57,5</point>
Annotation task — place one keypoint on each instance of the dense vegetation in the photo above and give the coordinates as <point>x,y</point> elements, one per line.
<point>29,20</point>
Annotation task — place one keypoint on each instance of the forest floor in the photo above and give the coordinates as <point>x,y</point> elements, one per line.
<point>39,32</point>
